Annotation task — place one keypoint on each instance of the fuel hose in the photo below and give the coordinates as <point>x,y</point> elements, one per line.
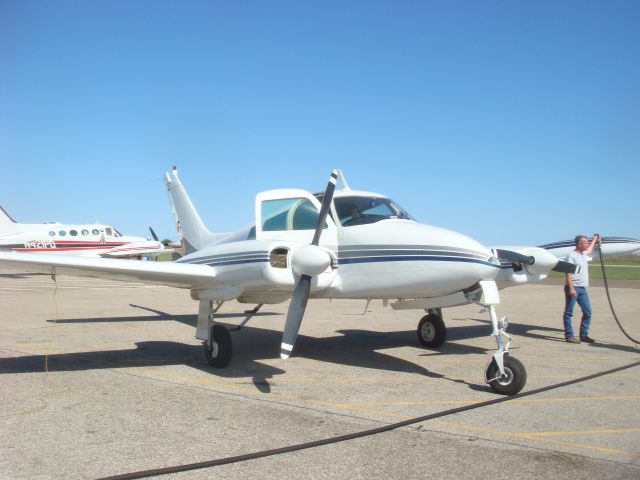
<point>606,288</point>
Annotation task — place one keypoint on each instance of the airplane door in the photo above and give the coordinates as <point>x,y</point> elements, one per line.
<point>291,214</point>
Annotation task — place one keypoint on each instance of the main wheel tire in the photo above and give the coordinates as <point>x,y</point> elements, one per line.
<point>514,379</point>
<point>431,331</point>
<point>218,350</point>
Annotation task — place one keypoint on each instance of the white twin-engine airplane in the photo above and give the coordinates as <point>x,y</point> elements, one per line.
<point>88,240</point>
<point>337,244</point>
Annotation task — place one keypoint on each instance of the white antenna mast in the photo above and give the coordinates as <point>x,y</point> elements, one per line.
<point>343,181</point>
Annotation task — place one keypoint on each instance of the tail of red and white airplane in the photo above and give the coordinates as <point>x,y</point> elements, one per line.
<point>193,233</point>
<point>5,218</point>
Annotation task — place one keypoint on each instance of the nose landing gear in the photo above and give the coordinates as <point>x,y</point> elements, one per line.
<point>505,374</point>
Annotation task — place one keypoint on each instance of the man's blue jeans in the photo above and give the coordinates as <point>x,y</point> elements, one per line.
<point>583,300</point>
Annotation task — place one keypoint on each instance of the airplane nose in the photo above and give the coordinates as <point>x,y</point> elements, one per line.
<point>480,258</point>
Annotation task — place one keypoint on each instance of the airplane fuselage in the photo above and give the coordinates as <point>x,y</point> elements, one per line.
<point>407,260</point>
<point>89,240</point>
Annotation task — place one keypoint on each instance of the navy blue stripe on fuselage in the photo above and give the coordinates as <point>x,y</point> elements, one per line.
<point>414,258</point>
<point>229,259</point>
<point>409,253</point>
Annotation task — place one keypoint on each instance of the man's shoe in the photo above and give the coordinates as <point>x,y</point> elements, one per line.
<point>587,340</point>
<point>573,340</point>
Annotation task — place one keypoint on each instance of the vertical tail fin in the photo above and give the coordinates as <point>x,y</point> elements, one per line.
<point>193,233</point>
<point>5,218</point>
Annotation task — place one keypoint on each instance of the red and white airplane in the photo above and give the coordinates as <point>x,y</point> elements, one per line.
<point>87,240</point>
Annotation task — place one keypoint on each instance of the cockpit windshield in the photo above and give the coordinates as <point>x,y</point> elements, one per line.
<point>360,210</point>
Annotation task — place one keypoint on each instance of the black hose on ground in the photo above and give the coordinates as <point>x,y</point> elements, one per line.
<point>385,428</point>
<point>606,288</point>
<point>326,441</point>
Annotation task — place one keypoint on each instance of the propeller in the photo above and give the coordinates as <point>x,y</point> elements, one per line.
<point>566,267</point>
<point>515,257</point>
<point>539,263</point>
<point>307,261</point>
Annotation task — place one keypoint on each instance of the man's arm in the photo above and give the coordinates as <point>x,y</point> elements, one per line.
<point>594,240</point>
<point>569,282</point>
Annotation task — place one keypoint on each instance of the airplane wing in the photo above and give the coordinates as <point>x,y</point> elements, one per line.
<point>156,273</point>
<point>147,248</point>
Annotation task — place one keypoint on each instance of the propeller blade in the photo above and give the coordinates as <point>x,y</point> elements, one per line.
<point>294,315</point>
<point>153,234</point>
<point>301,292</point>
<point>566,267</point>
<point>324,209</point>
<point>515,257</point>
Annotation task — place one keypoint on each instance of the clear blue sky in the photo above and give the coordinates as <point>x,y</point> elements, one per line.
<point>511,122</point>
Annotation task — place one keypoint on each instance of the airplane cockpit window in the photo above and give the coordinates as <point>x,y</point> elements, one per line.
<point>288,214</point>
<point>116,233</point>
<point>362,210</point>
<point>109,231</point>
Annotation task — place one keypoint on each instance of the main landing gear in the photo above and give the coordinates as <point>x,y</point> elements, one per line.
<point>218,347</point>
<point>432,331</point>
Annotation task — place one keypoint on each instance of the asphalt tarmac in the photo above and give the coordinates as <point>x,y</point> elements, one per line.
<point>100,378</point>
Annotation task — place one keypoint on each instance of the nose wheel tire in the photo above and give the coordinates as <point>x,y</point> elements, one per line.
<point>431,331</point>
<point>217,349</point>
<point>513,380</point>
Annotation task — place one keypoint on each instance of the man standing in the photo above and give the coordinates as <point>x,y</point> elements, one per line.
<point>575,289</point>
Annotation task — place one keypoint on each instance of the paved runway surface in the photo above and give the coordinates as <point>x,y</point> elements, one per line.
<point>100,378</point>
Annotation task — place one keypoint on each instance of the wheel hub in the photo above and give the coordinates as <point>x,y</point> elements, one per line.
<point>507,378</point>
<point>213,348</point>
<point>428,331</point>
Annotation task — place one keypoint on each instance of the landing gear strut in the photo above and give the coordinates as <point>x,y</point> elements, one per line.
<point>504,374</point>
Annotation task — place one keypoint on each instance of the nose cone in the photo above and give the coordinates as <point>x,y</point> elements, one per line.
<point>427,238</point>
<point>429,235</point>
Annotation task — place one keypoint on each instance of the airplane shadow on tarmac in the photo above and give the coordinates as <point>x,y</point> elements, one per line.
<point>352,347</point>
<point>526,330</point>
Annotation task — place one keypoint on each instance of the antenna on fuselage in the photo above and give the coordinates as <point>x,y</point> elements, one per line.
<point>343,181</point>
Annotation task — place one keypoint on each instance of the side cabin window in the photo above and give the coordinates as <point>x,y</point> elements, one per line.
<point>288,214</point>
